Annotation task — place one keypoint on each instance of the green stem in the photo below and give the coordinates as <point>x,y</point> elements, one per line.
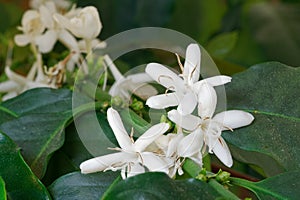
<point>86,107</point>
<point>221,190</point>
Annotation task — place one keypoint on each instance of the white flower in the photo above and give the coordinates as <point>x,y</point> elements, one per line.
<point>54,32</point>
<point>86,24</point>
<point>180,147</point>
<point>132,158</point>
<point>32,27</point>
<point>125,86</point>
<point>212,129</point>
<point>60,4</point>
<point>186,87</point>
<point>18,84</point>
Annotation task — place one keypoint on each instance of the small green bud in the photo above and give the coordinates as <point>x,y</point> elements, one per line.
<point>137,105</point>
<point>116,101</point>
<point>201,177</point>
<point>223,177</point>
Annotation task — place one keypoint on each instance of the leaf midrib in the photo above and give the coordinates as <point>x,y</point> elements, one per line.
<point>270,114</point>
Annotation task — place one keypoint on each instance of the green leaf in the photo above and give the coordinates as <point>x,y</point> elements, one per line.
<point>2,189</point>
<point>20,182</point>
<point>160,186</point>
<point>38,128</point>
<point>269,91</point>
<point>82,186</point>
<point>222,44</point>
<point>283,186</point>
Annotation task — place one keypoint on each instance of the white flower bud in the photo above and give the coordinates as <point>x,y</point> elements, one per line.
<point>86,24</point>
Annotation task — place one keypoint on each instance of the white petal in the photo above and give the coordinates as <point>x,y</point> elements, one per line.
<point>22,40</point>
<point>187,104</point>
<point>154,163</point>
<point>173,144</point>
<point>107,161</point>
<point>113,68</point>
<point>218,80</point>
<point>197,158</point>
<point>164,140</point>
<point>222,151</point>
<point>15,77</point>
<point>145,91</point>
<point>116,125</point>
<point>207,100</point>
<point>46,16</point>
<point>46,41</point>
<point>140,78</point>
<point>234,118</point>
<point>165,77</point>
<point>8,86</point>
<point>164,100</point>
<point>150,136</point>
<point>135,169</point>
<point>68,40</point>
<point>192,62</point>
<point>9,95</point>
<point>188,122</point>
<point>191,144</point>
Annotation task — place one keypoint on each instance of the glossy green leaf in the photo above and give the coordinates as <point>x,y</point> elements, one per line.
<point>38,128</point>
<point>160,186</point>
<point>82,186</point>
<point>20,182</point>
<point>270,92</point>
<point>283,186</point>
<point>2,189</point>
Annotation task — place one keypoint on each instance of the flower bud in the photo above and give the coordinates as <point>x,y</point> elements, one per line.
<point>86,24</point>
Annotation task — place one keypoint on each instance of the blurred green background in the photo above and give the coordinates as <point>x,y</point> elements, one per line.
<point>237,33</point>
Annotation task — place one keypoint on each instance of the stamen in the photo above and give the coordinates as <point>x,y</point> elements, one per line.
<point>179,62</point>
<point>164,76</point>
<point>131,135</point>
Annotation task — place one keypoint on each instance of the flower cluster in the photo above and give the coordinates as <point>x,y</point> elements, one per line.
<point>157,150</point>
<point>42,26</point>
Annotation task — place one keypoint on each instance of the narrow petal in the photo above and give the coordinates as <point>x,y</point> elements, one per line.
<point>15,77</point>
<point>46,41</point>
<point>173,144</point>
<point>188,122</point>
<point>107,161</point>
<point>234,119</point>
<point>187,104</point>
<point>8,86</point>
<point>191,144</point>
<point>218,80</point>
<point>140,78</point>
<point>68,40</point>
<point>164,100</point>
<point>207,100</point>
<point>165,77</point>
<point>113,68</point>
<point>150,136</point>
<point>192,62</point>
<point>222,151</point>
<point>121,134</point>
<point>144,91</point>
<point>154,163</point>
<point>197,158</point>
<point>46,16</point>
<point>22,40</point>
<point>9,95</point>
